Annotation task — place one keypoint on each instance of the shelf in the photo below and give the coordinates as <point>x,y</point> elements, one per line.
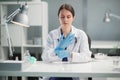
<point>26,46</point>
<point>32,38</point>
<point>32,46</point>
<point>20,2</point>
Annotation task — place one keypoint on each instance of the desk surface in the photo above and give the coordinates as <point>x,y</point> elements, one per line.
<point>96,68</point>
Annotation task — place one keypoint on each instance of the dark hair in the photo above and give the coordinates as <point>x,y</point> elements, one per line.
<point>67,7</point>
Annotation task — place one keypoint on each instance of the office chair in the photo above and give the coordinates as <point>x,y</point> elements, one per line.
<point>92,55</point>
<point>89,42</point>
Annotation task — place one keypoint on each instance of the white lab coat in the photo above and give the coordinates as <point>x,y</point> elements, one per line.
<point>79,48</point>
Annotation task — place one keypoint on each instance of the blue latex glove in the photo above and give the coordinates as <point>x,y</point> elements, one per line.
<point>64,43</point>
<point>62,53</point>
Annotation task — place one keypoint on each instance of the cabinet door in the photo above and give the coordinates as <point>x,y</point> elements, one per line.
<point>35,14</point>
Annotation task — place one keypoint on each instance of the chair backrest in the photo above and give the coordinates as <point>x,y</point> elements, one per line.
<point>89,42</point>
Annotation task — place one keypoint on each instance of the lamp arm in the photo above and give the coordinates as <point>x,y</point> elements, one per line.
<point>114,15</point>
<point>9,18</point>
<point>12,15</point>
<point>8,40</point>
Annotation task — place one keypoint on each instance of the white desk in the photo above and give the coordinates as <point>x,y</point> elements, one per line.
<point>97,68</point>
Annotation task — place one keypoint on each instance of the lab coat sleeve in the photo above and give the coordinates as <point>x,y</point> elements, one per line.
<point>48,54</point>
<point>84,54</point>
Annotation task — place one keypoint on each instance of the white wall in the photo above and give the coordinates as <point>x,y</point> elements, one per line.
<point>99,30</point>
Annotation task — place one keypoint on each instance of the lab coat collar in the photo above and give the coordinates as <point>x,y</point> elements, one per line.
<point>73,31</point>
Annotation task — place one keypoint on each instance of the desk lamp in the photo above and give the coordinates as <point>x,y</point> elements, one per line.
<point>18,17</point>
<point>108,15</point>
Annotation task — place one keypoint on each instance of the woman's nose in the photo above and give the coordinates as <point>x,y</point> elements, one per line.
<point>65,19</point>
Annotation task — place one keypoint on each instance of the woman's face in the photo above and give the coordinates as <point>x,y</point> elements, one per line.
<point>66,18</point>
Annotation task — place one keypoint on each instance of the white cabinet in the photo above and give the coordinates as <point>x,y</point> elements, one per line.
<point>35,9</point>
<point>32,38</point>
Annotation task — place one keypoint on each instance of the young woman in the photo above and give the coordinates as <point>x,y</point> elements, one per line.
<point>66,43</point>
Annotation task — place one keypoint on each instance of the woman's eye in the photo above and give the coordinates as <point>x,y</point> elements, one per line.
<point>65,17</point>
<point>68,16</point>
<point>62,17</point>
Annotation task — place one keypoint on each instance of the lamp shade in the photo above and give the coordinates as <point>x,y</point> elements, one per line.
<point>21,19</point>
<point>107,17</point>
